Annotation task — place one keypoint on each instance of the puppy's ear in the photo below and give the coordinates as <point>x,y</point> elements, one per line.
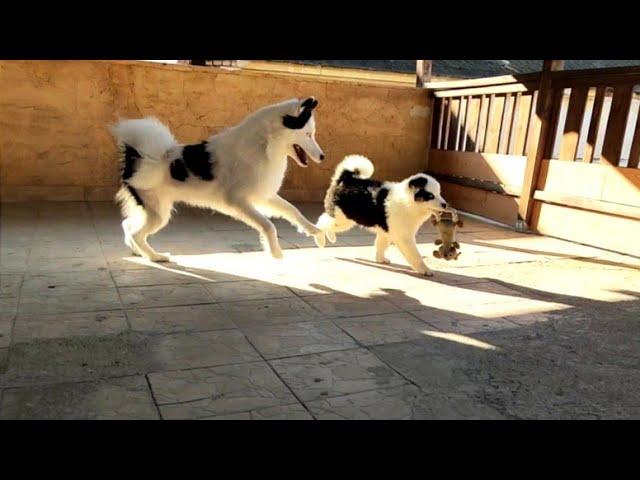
<point>434,221</point>
<point>438,241</point>
<point>437,254</point>
<point>456,245</point>
<point>460,223</point>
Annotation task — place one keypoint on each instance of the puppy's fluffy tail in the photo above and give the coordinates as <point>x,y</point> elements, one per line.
<point>148,136</point>
<point>355,165</point>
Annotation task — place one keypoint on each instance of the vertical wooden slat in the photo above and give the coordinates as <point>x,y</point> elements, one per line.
<point>530,123</point>
<point>447,126</point>
<point>618,118</point>
<point>465,128</point>
<point>573,123</point>
<point>634,156</point>
<point>493,124</point>
<point>442,103</point>
<point>594,125</point>
<point>482,124</point>
<point>557,101</point>
<point>514,124</point>
<point>472,119</point>
<point>538,134</point>
<point>504,124</point>
<point>462,107</point>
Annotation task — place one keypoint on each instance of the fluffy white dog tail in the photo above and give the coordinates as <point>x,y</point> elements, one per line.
<point>358,165</point>
<point>148,136</point>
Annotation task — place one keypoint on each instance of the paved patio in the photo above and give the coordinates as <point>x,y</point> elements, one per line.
<point>521,326</point>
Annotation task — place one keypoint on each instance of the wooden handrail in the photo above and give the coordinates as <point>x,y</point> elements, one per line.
<point>595,75</point>
<point>483,82</point>
<point>495,89</point>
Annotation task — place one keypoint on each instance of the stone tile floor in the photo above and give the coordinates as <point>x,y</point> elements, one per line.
<point>522,326</point>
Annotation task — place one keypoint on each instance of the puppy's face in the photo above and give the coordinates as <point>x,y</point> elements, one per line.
<point>426,192</point>
<point>301,128</point>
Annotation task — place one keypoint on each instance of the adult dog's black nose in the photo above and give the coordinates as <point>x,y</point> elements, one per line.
<point>444,205</point>
<point>322,157</point>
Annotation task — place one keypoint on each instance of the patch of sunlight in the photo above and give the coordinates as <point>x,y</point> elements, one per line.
<point>508,309</point>
<point>456,337</point>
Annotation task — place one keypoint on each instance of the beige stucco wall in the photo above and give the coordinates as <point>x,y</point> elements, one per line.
<point>54,142</point>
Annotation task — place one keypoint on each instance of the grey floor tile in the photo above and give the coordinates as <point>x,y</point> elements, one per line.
<point>255,313</point>
<point>162,276</point>
<point>397,403</point>
<point>58,264</point>
<point>30,327</point>
<point>332,374</point>
<point>388,328</point>
<point>341,305</point>
<point>286,412</point>
<point>69,300</point>
<point>246,290</point>
<point>67,282</point>
<point>163,295</point>
<point>216,391</point>
<point>286,340</point>
<point>190,318</point>
<point>80,358</point>
<point>6,324</point>
<point>125,398</point>
<point>10,285</point>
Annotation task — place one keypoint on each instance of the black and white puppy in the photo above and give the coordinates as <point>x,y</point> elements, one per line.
<point>394,211</point>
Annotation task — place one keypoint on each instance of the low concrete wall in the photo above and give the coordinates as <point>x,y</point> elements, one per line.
<point>55,145</point>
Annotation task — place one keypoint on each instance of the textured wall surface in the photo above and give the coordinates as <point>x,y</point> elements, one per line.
<point>55,145</point>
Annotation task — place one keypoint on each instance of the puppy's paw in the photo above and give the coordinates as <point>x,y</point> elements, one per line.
<point>425,272</point>
<point>277,253</point>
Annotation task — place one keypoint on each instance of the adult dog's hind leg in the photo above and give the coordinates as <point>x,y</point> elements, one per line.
<point>156,217</point>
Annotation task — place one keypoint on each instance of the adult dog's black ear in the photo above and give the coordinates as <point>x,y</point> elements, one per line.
<point>309,103</point>
<point>298,122</point>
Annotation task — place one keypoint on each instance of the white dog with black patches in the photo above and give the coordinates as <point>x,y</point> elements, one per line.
<point>237,172</point>
<point>394,211</point>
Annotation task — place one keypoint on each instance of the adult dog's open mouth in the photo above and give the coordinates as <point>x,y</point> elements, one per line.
<point>303,159</point>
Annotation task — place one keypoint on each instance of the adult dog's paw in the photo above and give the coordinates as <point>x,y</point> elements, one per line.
<point>320,239</point>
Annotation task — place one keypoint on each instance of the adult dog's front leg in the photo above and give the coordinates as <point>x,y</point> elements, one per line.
<point>252,217</point>
<point>278,206</point>
<point>409,250</point>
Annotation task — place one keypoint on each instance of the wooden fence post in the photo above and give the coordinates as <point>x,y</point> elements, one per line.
<point>423,72</point>
<point>539,140</point>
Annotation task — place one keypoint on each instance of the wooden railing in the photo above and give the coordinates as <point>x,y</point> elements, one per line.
<point>490,115</point>
<point>595,116</point>
<point>504,146</point>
